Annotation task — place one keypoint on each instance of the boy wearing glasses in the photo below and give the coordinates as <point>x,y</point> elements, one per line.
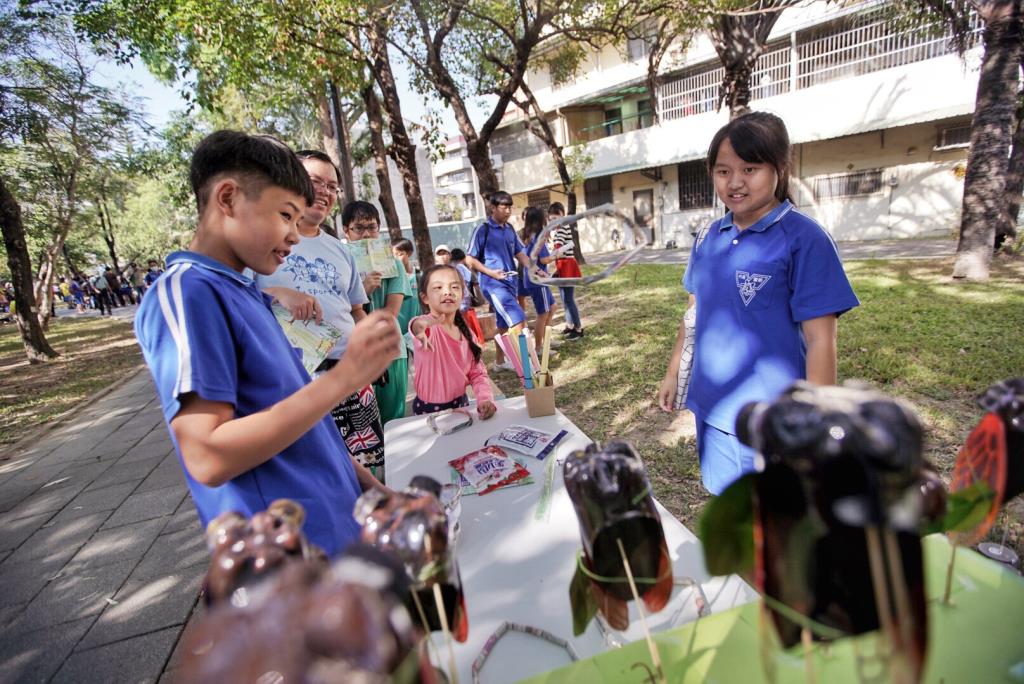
<point>361,221</point>
<point>319,281</point>
<point>495,250</point>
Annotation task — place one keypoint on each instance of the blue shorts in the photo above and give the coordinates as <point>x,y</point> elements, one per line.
<point>723,458</point>
<point>507,311</point>
<point>543,300</point>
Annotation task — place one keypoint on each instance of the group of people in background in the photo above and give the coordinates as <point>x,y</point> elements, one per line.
<point>108,289</point>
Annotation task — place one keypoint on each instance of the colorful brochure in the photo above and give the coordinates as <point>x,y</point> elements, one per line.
<point>488,469</point>
<point>314,340</point>
<point>527,441</point>
<point>374,255</point>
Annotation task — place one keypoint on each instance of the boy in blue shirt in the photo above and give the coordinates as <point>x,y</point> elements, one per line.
<point>245,420</point>
<point>495,250</point>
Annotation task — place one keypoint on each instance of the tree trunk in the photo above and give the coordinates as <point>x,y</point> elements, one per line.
<point>991,133</point>
<point>375,122</point>
<point>46,276</point>
<point>1006,232</point>
<point>326,121</point>
<point>739,41</point>
<point>107,231</point>
<point>37,349</point>
<point>402,149</point>
<point>344,144</point>
<point>72,267</point>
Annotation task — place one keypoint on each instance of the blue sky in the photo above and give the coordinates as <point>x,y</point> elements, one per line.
<point>160,100</point>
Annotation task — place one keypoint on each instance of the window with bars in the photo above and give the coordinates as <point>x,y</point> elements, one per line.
<point>954,136</point>
<point>598,191</point>
<point>696,191</point>
<point>539,198</point>
<point>854,184</point>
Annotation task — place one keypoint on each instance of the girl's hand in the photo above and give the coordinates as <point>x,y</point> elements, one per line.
<point>420,326</point>
<point>667,392</point>
<point>486,409</point>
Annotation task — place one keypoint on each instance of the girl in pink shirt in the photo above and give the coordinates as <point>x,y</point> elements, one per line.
<point>445,356</point>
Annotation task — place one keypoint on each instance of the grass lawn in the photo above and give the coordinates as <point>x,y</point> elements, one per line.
<point>916,335</point>
<point>94,353</point>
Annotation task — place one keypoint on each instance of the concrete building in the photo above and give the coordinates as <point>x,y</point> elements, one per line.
<point>455,183</point>
<point>879,118</point>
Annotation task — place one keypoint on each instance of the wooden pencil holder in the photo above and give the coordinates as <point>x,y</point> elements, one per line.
<point>540,401</point>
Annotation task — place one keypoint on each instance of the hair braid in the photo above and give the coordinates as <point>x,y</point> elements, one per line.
<point>464,329</point>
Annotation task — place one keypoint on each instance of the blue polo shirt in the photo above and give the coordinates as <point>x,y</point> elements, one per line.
<point>754,288</point>
<point>503,244</point>
<point>207,329</point>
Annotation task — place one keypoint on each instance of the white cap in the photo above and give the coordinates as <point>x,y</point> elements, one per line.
<point>442,248</point>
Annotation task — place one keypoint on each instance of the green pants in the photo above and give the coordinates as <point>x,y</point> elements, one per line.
<point>391,397</point>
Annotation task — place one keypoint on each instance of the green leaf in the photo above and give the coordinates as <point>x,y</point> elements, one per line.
<point>581,598</point>
<point>727,529</point>
<point>965,509</point>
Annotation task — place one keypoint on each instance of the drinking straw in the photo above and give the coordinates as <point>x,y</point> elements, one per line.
<point>532,343</point>
<point>547,355</point>
<point>510,353</point>
<point>527,374</point>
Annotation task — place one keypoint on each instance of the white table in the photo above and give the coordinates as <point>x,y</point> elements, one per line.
<point>517,568</point>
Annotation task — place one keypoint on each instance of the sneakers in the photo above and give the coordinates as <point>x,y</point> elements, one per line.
<point>574,335</point>
<point>507,366</point>
<point>566,332</point>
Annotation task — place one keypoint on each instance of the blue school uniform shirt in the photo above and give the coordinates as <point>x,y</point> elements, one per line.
<point>754,288</point>
<point>499,253</point>
<point>207,329</point>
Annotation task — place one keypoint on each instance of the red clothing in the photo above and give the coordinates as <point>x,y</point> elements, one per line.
<point>442,373</point>
<point>567,268</point>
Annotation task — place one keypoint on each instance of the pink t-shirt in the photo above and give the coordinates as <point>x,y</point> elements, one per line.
<point>442,373</point>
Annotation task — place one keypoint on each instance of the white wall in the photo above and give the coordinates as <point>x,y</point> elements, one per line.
<point>426,178</point>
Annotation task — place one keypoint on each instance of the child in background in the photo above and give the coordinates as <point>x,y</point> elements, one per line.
<point>770,286</point>
<point>446,357</point>
<point>247,424</point>
<point>543,300</point>
<point>467,310</point>
<point>402,249</point>
<point>566,267</point>
<point>361,221</point>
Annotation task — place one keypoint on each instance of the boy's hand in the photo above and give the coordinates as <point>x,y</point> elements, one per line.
<point>302,307</point>
<point>374,344</point>
<point>371,281</point>
<point>486,409</point>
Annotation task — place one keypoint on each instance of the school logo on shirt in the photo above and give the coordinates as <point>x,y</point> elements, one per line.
<point>750,284</point>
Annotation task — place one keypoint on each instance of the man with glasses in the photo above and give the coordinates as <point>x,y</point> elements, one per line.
<point>495,250</point>
<point>361,221</point>
<point>319,281</point>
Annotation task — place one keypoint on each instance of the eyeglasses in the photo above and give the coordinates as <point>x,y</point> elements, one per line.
<point>332,188</point>
<point>362,228</point>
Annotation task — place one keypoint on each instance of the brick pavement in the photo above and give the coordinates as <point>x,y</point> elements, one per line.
<point>101,552</point>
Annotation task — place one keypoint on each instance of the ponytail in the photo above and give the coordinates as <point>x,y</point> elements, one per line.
<point>464,329</point>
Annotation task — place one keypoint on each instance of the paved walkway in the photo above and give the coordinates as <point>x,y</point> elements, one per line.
<point>101,552</point>
<point>867,249</point>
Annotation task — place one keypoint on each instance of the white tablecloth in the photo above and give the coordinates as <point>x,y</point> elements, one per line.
<point>517,568</point>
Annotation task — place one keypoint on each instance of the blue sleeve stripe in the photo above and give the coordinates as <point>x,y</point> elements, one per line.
<point>179,332</point>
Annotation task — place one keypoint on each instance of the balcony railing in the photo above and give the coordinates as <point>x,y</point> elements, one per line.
<point>614,126</point>
<point>810,59</point>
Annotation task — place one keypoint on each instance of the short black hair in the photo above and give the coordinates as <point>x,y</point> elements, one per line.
<point>359,210</point>
<point>320,156</point>
<point>501,197</point>
<point>402,245</point>
<point>259,161</point>
<point>458,255</point>
<point>556,208</point>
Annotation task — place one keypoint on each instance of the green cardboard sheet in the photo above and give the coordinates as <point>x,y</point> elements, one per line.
<point>978,638</point>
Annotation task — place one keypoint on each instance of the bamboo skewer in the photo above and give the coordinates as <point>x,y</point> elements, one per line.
<point>651,646</point>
